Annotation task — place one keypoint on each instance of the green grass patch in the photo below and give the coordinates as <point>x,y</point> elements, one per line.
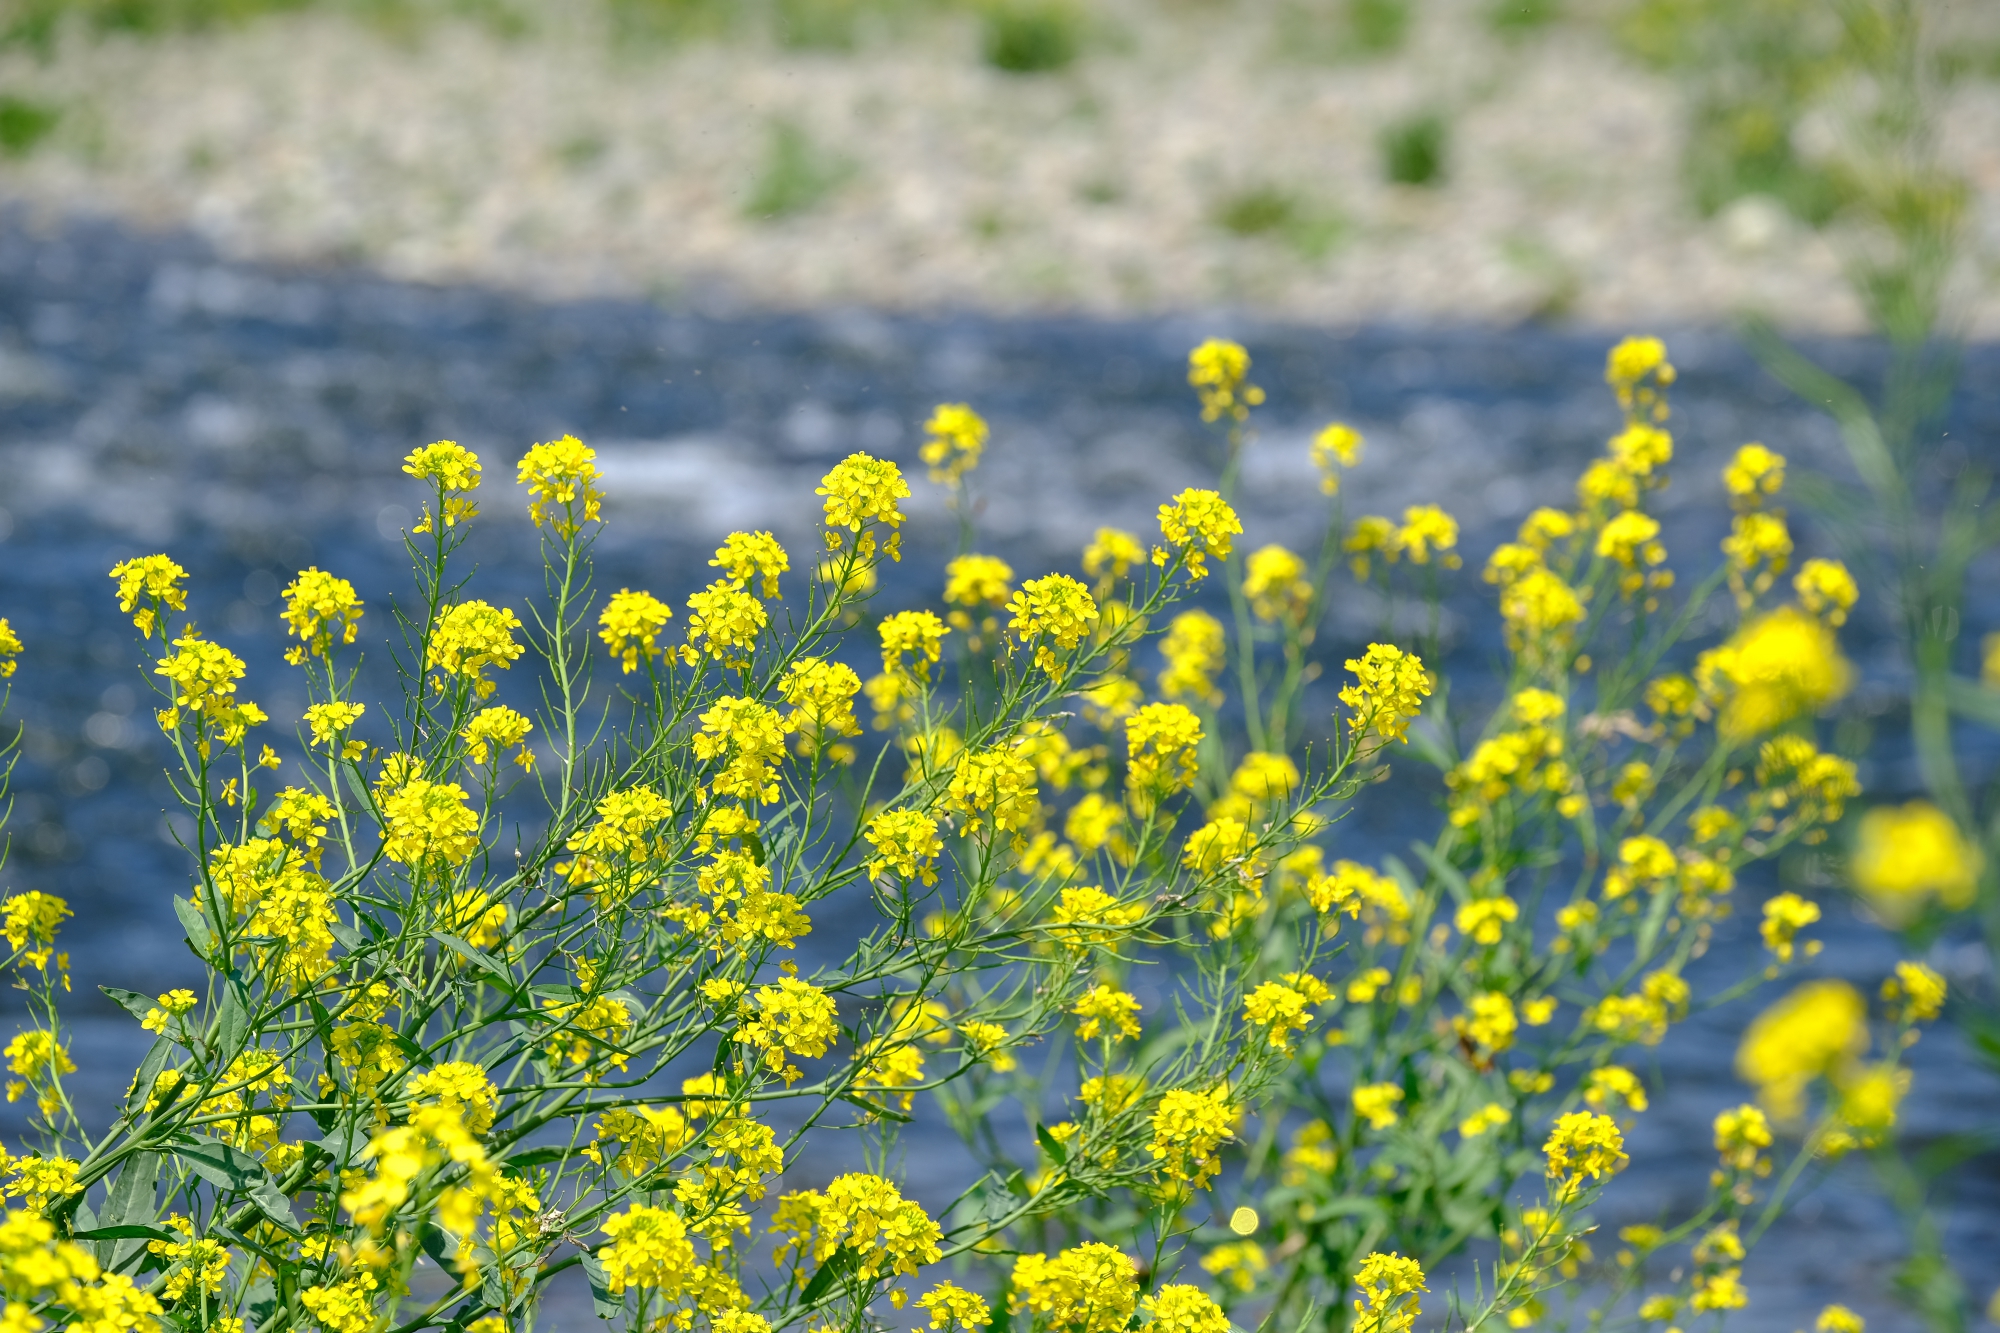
<point>24,124</point>
<point>797,175</point>
<point>1416,149</point>
<point>1031,36</point>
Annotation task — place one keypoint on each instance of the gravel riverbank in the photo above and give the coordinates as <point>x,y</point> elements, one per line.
<point>922,179</point>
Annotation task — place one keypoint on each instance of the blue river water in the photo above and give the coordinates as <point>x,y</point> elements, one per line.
<point>251,421</point>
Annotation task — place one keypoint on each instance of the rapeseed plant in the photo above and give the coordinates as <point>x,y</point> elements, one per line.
<point>435,1030</point>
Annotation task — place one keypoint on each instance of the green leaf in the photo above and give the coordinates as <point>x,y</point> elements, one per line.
<point>608,1306</point>
<point>479,958</point>
<point>124,1231</point>
<point>232,1023</point>
<point>131,1199</point>
<point>227,1168</point>
<point>1052,1145</point>
<point>149,1070</point>
<point>829,1272</point>
<point>537,1157</point>
<point>196,926</point>
<point>350,939</point>
<point>131,1001</point>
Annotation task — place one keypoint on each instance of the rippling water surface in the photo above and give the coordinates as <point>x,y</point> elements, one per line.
<point>252,421</point>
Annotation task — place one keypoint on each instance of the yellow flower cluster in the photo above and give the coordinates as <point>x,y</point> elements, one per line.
<point>202,677</point>
<point>1274,579</point>
<point>11,648</point>
<point>749,558</point>
<point>1389,690</point>
<point>1583,1146</point>
<point>1389,1284</point>
<point>1161,744</point>
<point>1906,855</point>
<point>862,491</point>
<point>630,626</point>
<point>863,1215</point>
<point>905,841</point>
<point>995,789</point>
<point>821,694</point>
<point>1197,525</point>
<point>1219,373</point>
<point>1188,1127</point>
<point>1637,369</point>
<point>726,621</point>
<point>954,437</point>
<point>1050,614</point>
<point>328,722</point>
<point>1337,446</point>
<point>792,1017</point>
<point>1783,665</point>
<point>1108,1012</point>
<point>1091,1288</point>
<point>492,730</point>
<point>1194,649</point>
<point>155,581</point>
<point>749,737</point>
<point>469,638</point>
<point>318,609</point>
<point>559,476</point>
<point>455,471</point>
<point>429,825</point>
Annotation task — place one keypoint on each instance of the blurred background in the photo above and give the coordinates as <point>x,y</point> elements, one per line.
<point>1336,161</point>
<point>253,251</point>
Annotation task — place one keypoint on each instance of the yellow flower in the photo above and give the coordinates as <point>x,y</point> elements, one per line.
<point>1759,548</point>
<point>1780,666</point>
<point>1538,609</point>
<point>1754,473</point>
<point>1784,916</point>
<point>1614,1083</point>
<point>1371,533</point>
<point>318,609</point>
<point>1198,524</point>
<point>1161,741</point>
<point>1906,854</point>
<point>1108,1011</point>
<point>1389,690</point>
<point>954,438</point>
<point>1092,1288</point>
<point>649,1249</point>
<point>328,722</point>
<point>821,694</point>
<point>492,730</point>
<point>1740,1134</point>
<point>1187,1129</point>
<point>1389,1284</point>
<point>1050,613</point>
<point>994,788</point>
<point>471,637</point>
<point>1427,528</point>
<point>956,1310</point>
<point>1180,1308</point>
<point>1719,1291</point>
<point>455,470</point>
<point>1488,1117</point>
<point>10,648</point>
<point>1089,915</point>
<point>791,1018</point>
<point>1819,1028</point>
<point>428,824</point>
<point>752,557</point>
<point>1337,444</point>
<point>1376,1103</point>
<point>1915,994</point>
<point>1583,1145</point>
<point>1627,369</point>
<point>1484,919</point>
<point>750,738</point>
<point>1280,1011</point>
<point>865,1215</point>
<point>153,579</point>
<point>905,841</point>
<point>1826,589</point>
<point>1219,371</point>
<point>1640,450</point>
<point>559,477</point>
<point>1489,1021</point>
<point>729,619</point>
<point>1274,580</point>
<point>1839,1319</point>
<point>1111,555</point>
<point>1194,650</point>
<point>978,580</point>
<point>861,490</point>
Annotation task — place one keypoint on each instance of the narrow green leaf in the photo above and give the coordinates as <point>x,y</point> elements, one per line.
<point>1052,1145</point>
<point>196,926</point>
<point>227,1168</point>
<point>607,1305</point>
